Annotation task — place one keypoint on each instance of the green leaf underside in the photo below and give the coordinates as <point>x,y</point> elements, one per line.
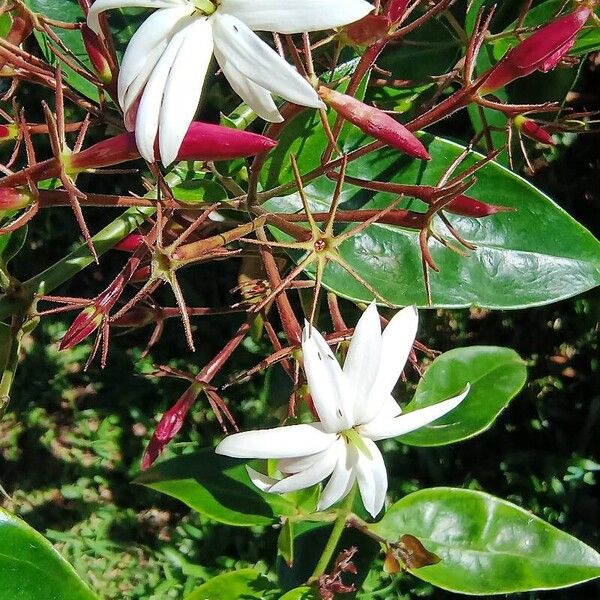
<point>31,569</point>
<point>216,487</point>
<point>488,545</point>
<point>496,375</point>
<point>246,584</point>
<point>535,254</point>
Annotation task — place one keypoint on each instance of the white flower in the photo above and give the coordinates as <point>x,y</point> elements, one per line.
<point>355,408</point>
<point>166,62</point>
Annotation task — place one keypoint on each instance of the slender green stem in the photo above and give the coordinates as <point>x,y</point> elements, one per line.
<point>336,533</point>
<point>12,361</point>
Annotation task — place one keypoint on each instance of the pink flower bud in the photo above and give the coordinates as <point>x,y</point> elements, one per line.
<point>15,198</point>
<point>97,52</point>
<point>169,425</point>
<point>130,243</point>
<point>462,205</point>
<point>533,131</point>
<point>8,132</point>
<point>86,322</point>
<point>375,123</point>
<point>541,51</point>
<point>368,30</point>
<point>396,9</point>
<point>138,316</point>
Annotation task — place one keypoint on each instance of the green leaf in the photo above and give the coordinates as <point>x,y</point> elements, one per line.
<point>301,593</point>
<point>487,545</point>
<point>246,584</point>
<point>496,376</point>
<point>199,190</point>
<point>533,254</point>
<point>285,542</point>
<point>217,487</point>
<point>31,569</point>
<point>11,243</point>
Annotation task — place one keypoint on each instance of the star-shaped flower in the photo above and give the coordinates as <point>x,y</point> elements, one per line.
<point>355,409</point>
<point>167,60</point>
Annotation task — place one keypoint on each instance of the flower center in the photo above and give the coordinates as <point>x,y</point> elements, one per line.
<point>205,7</point>
<point>353,437</point>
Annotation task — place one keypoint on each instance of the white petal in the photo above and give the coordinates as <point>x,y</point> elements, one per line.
<point>382,427</point>
<point>146,125</point>
<point>299,463</point>
<point>183,88</point>
<point>331,394</point>
<point>134,91</point>
<point>260,480</point>
<point>238,45</point>
<point>372,478</point>
<point>101,5</point>
<point>341,479</point>
<point>147,44</point>
<point>396,343</point>
<point>286,16</point>
<point>256,97</point>
<point>317,472</point>
<point>362,361</point>
<point>280,442</point>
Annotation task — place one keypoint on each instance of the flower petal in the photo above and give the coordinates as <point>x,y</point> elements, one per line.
<point>146,126</point>
<point>363,358</point>
<point>147,44</point>
<point>295,17</point>
<point>184,87</point>
<point>371,476</point>
<point>382,427</point>
<point>240,46</point>
<point>342,478</point>
<point>280,442</point>
<point>297,464</point>
<point>133,93</point>
<point>260,480</point>
<point>256,97</point>
<point>317,472</point>
<point>329,388</point>
<point>101,5</point>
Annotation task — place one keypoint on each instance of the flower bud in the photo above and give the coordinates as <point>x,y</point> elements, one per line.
<point>138,316</point>
<point>15,198</point>
<point>541,51</point>
<point>8,132</point>
<point>396,9</point>
<point>368,30</point>
<point>391,565</point>
<point>86,322</point>
<point>130,243</point>
<point>533,131</point>
<point>375,122</point>
<point>97,52</point>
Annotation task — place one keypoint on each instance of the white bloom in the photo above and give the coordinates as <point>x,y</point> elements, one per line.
<point>355,408</point>
<point>166,62</point>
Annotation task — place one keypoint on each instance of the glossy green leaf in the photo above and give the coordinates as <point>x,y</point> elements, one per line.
<point>487,545</point>
<point>217,487</point>
<point>31,569</point>
<point>199,190</point>
<point>246,584</point>
<point>11,243</point>
<point>285,542</point>
<point>301,593</point>
<point>533,254</point>
<point>496,375</point>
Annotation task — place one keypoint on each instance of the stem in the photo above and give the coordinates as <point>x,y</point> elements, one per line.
<point>336,533</point>
<point>12,362</point>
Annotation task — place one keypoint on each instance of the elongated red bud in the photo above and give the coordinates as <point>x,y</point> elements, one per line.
<point>15,198</point>
<point>368,30</point>
<point>533,131</point>
<point>98,54</point>
<point>169,425</point>
<point>396,9</point>
<point>375,123</point>
<point>541,51</point>
<point>86,322</point>
<point>130,243</point>
<point>138,316</point>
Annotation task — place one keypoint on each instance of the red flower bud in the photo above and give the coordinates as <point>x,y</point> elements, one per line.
<point>541,51</point>
<point>368,30</point>
<point>130,243</point>
<point>8,132</point>
<point>533,131</point>
<point>396,9</point>
<point>374,122</point>
<point>86,322</point>
<point>97,52</point>
<point>138,316</point>
<point>169,425</point>
<point>15,198</point>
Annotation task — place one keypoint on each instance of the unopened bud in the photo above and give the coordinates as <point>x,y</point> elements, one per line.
<point>86,322</point>
<point>98,54</point>
<point>138,316</point>
<point>541,51</point>
<point>15,198</point>
<point>8,132</point>
<point>533,131</point>
<point>367,31</point>
<point>391,565</point>
<point>130,243</point>
<point>396,9</point>
<point>375,122</point>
